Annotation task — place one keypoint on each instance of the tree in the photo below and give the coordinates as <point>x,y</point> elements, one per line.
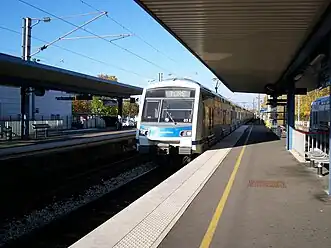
<point>81,107</point>
<point>108,77</point>
<point>98,108</point>
<point>306,100</point>
<point>97,105</point>
<point>130,109</point>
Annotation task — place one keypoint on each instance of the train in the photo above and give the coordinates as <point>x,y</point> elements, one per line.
<point>180,116</point>
<point>319,119</point>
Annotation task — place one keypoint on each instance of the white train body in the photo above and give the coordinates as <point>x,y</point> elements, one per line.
<point>181,116</point>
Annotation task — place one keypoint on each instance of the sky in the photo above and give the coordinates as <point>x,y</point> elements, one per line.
<point>134,60</point>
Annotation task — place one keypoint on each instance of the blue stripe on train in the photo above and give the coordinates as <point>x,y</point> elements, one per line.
<point>165,131</point>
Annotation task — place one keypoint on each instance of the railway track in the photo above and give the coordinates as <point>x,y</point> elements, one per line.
<point>25,187</point>
<point>70,218</point>
<point>23,215</point>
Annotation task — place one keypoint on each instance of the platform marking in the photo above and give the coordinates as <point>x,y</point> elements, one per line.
<point>266,184</point>
<point>219,210</point>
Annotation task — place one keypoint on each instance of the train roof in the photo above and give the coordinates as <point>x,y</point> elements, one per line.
<point>321,99</point>
<point>205,89</point>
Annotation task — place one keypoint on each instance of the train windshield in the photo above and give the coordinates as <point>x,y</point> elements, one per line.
<point>169,105</point>
<point>176,110</point>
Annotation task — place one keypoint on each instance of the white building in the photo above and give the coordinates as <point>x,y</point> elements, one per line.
<point>46,107</point>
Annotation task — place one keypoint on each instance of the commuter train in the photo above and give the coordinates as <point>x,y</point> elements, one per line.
<point>180,116</point>
<point>320,114</point>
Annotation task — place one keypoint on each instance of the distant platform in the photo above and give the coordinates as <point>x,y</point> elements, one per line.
<point>20,148</point>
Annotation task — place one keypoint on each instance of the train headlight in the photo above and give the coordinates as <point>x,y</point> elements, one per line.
<point>186,133</point>
<point>143,132</point>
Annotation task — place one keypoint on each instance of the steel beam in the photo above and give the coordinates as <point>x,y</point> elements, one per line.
<point>290,115</point>
<point>329,62</point>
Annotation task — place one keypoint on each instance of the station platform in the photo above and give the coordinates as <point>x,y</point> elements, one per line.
<point>70,141</point>
<point>247,191</point>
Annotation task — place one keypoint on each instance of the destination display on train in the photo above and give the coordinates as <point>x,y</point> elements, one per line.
<point>171,93</point>
<point>177,93</point>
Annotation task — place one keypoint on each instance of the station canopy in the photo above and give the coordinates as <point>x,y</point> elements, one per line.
<point>16,72</point>
<point>245,43</point>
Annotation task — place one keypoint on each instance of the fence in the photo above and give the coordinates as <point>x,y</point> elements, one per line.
<point>56,124</point>
<point>303,141</point>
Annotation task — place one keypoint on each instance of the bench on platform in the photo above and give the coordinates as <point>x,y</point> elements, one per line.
<point>41,130</point>
<point>319,157</point>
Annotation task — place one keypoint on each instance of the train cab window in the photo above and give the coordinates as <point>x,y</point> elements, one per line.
<point>177,110</point>
<point>151,111</point>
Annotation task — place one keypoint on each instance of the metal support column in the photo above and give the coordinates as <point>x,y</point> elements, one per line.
<point>259,107</point>
<point>329,69</point>
<point>290,115</point>
<point>25,106</point>
<point>120,106</point>
<point>329,188</point>
<point>284,116</point>
<point>120,111</point>
<point>274,116</point>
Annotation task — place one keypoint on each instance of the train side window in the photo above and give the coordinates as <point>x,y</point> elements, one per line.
<point>315,118</point>
<point>151,110</point>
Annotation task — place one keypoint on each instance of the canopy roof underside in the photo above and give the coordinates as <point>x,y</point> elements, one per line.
<point>245,43</point>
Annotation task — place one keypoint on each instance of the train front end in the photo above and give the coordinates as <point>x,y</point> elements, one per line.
<point>167,118</point>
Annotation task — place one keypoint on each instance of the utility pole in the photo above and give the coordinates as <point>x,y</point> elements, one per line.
<point>217,84</point>
<point>24,89</point>
<point>26,92</point>
<point>160,76</point>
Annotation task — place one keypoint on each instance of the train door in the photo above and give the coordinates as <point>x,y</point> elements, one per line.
<point>206,120</point>
<point>224,117</point>
<point>211,120</point>
<point>221,115</point>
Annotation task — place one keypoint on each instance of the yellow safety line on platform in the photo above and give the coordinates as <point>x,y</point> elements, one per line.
<point>218,212</point>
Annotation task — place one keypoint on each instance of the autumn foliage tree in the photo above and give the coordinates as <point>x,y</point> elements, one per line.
<point>94,106</point>
<point>97,105</point>
<point>81,107</point>
<point>108,77</point>
<point>130,109</point>
<point>306,100</point>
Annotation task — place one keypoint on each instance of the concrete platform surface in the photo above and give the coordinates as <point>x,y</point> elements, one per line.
<point>145,222</point>
<point>274,202</point>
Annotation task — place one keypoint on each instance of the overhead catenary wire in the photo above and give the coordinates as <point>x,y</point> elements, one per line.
<point>72,24</point>
<point>69,16</point>
<point>79,54</point>
<point>92,36</point>
<point>135,34</point>
<point>68,33</point>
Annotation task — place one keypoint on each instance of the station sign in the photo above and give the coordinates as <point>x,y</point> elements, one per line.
<point>65,98</point>
<point>71,98</point>
<point>109,103</point>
